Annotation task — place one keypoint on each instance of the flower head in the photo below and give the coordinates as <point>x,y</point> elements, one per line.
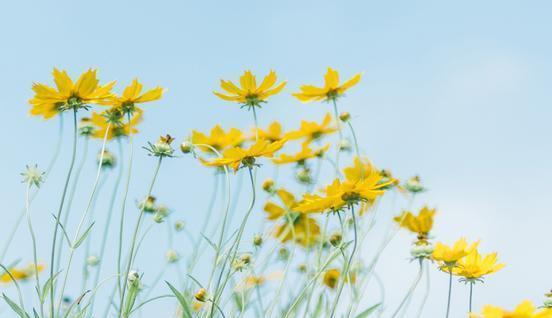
<point>330,91</point>
<point>302,156</point>
<point>132,95</point>
<point>218,139</point>
<point>117,128</point>
<point>49,101</point>
<point>21,273</point>
<point>420,224</point>
<point>475,266</point>
<point>296,226</point>
<point>273,132</point>
<point>450,255</point>
<point>524,310</point>
<point>331,277</point>
<point>248,93</point>
<point>238,157</point>
<point>33,176</point>
<point>253,281</point>
<point>312,130</point>
<point>341,194</point>
<point>162,148</point>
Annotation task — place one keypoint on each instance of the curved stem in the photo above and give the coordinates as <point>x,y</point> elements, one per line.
<point>426,294</point>
<point>410,291</point>
<point>33,237</point>
<point>348,264</point>
<point>134,236</point>
<point>84,214</point>
<point>123,205</point>
<point>60,209</point>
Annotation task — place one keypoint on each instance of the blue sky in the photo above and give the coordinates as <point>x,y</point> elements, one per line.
<point>455,91</point>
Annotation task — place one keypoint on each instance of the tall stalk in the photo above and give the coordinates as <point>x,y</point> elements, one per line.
<point>60,209</point>
<point>449,292</point>
<point>33,237</point>
<point>410,290</point>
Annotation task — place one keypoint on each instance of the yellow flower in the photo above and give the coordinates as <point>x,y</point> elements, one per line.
<point>331,278</point>
<point>132,95</point>
<point>331,90</point>
<point>312,130</point>
<point>253,281</point>
<point>117,129</point>
<point>420,224</point>
<point>343,193</point>
<point>474,266</point>
<point>218,139</point>
<point>237,157</point>
<point>22,273</point>
<point>249,93</point>
<point>49,101</point>
<point>524,310</point>
<point>450,255</point>
<point>302,156</point>
<point>295,226</point>
<point>273,133</point>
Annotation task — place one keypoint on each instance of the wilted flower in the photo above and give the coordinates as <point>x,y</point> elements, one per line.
<point>33,176</point>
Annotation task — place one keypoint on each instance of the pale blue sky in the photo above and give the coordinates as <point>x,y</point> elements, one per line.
<point>458,92</point>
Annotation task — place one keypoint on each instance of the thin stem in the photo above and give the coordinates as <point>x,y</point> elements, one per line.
<point>340,131</point>
<point>33,237</point>
<point>348,264</point>
<point>60,209</point>
<point>84,214</point>
<point>21,216</point>
<point>449,292</point>
<point>236,243</point>
<point>16,286</point>
<point>410,291</point>
<point>426,294</point>
<point>123,205</point>
<point>471,296</point>
<point>256,123</point>
<point>134,237</point>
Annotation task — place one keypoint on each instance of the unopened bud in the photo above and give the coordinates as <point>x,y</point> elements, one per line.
<point>201,295</point>
<point>335,239</point>
<point>92,260</point>
<point>257,240</point>
<point>186,147</point>
<point>344,116</point>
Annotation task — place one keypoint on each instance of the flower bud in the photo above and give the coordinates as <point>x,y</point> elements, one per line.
<point>148,205</point>
<point>304,176</point>
<point>335,239</point>
<point>548,303</point>
<point>172,256</point>
<point>86,127</point>
<point>108,159</point>
<point>268,186</point>
<point>246,258</point>
<point>344,116</point>
<point>92,260</point>
<point>414,185</point>
<point>257,240</point>
<point>283,254</point>
<point>179,225</point>
<point>345,145</point>
<point>133,279</point>
<point>302,268</point>
<point>201,295</point>
<point>421,250</point>
<point>186,147</point>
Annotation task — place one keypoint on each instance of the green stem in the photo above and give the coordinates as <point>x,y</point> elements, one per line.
<point>60,209</point>
<point>471,296</point>
<point>410,291</point>
<point>449,292</point>
<point>340,131</point>
<point>426,294</point>
<point>348,264</point>
<point>256,123</point>
<point>123,205</point>
<point>33,237</point>
<point>134,237</point>
<point>83,217</point>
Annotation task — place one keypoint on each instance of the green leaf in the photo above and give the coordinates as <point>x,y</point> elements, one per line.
<point>368,311</point>
<point>213,245</point>
<point>83,237</point>
<point>319,305</point>
<point>47,286</point>
<point>15,307</point>
<point>186,308</point>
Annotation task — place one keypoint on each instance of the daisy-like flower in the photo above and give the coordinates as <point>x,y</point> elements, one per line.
<point>312,130</point>
<point>49,101</point>
<point>448,256</point>
<point>238,157</point>
<point>133,95</point>
<point>475,266</point>
<point>524,310</point>
<point>331,278</point>
<point>273,132</point>
<point>330,91</point>
<point>420,224</point>
<point>218,139</point>
<point>117,128</point>
<point>21,273</point>
<point>254,281</point>
<point>249,94</point>
<point>294,225</point>
<point>302,156</point>
<point>341,194</point>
